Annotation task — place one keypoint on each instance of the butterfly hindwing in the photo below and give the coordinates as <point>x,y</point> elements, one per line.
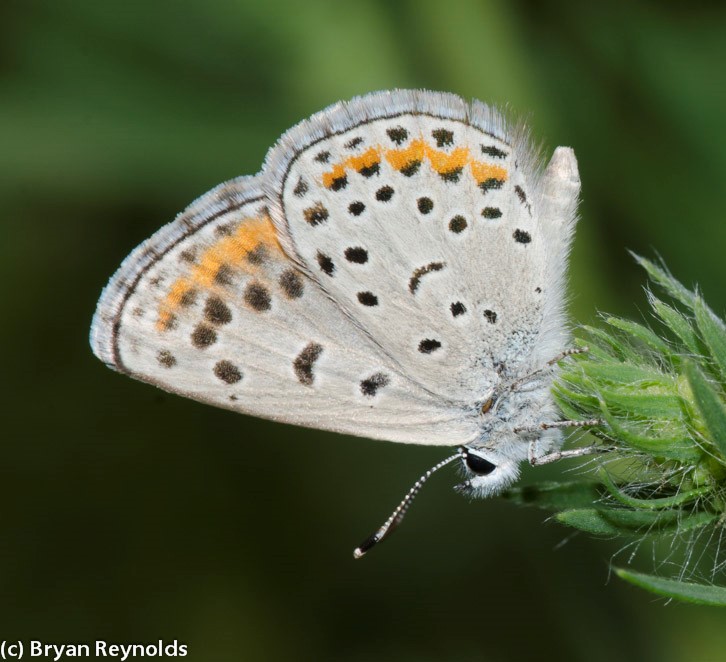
<point>424,218</point>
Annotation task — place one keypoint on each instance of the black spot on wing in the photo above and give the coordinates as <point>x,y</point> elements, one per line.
<point>216,311</point>
<point>356,208</point>
<point>491,150</point>
<point>491,184</point>
<point>425,205</point>
<point>451,175</point>
<point>225,229</point>
<point>257,297</point>
<point>325,262</point>
<point>368,298</point>
<point>356,254</point>
<point>443,137</point>
<point>189,298</point>
<point>411,168</point>
<point>428,345</point>
<point>523,198</point>
<point>224,275</point>
<point>171,323</point>
<point>370,170</point>
<point>291,283</point>
<point>416,276</point>
<point>166,358</point>
<point>301,188</point>
<point>316,214</point>
<point>203,336</point>
<point>397,134</point>
<point>369,387</point>
<point>339,183</point>
<point>491,212</point>
<point>258,255</point>
<point>521,194</point>
<point>384,194</point>
<point>227,371</point>
<point>457,308</point>
<point>188,255</point>
<point>457,224</point>
<point>304,362</point>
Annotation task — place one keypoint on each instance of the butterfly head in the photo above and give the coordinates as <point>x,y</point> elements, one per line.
<point>487,471</point>
<point>507,414</point>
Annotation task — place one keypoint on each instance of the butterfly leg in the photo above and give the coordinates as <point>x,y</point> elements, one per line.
<point>554,361</point>
<point>568,352</point>
<point>536,460</point>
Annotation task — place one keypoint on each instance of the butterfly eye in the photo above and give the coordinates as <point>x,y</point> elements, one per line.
<point>478,464</point>
<point>487,405</point>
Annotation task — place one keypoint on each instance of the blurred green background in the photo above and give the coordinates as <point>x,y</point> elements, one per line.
<point>131,515</point>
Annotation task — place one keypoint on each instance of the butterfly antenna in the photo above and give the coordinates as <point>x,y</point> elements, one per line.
<point>399,513</point>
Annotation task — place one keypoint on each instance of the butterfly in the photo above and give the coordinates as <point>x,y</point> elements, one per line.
<point>395,271</point>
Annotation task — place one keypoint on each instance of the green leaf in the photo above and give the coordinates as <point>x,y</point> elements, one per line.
<point>589,520</point>
<point>642,333</point>
<point>714,335</point>
<point>710,406</point>
<point>695,521</point>
<point>701,594</point>
<point>576,398</point>
<point>656,521</point>
<point>555,495</point>
<point>677,323</point>
<point>644,405</point>
<point>611,522</point>
<point>617,348</point>
<point>666,281</point>
<point>625,373</point>
<point>656,503</point>
<point>564,403</point>
<point>594,352</point>
<point>676,448</point>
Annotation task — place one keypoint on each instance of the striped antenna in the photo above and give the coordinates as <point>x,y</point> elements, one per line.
<point>398,514</point>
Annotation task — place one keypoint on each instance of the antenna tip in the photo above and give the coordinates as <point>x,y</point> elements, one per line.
<point>395,519</point>
<point>366,545</point>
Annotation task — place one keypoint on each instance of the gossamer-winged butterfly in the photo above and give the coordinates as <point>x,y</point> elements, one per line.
<point>395,271</point>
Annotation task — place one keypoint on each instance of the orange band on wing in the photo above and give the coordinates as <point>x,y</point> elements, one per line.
<point>230,252</point>
<point>409,158</point>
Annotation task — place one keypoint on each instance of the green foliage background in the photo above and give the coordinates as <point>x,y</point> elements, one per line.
<point>130,515</point>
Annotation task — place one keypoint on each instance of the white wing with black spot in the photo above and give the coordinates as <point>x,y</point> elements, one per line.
<point>429,223</point>
<point>396,254</point>
<point>211,308</point>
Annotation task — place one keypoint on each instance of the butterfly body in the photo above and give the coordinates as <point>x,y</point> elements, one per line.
<point>395,271</point>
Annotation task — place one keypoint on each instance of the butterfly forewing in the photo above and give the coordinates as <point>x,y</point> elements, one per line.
<point>212,308</point>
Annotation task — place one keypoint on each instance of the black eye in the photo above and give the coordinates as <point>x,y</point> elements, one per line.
<point>478,464</point>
